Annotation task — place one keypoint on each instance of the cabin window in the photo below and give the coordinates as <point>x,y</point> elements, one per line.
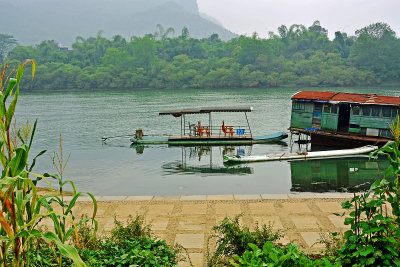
<point>298,105</point>
<point>327,108</point>
<point>356,110</point>
<point>375,111</point>
<point>394,112</point>
<point>386,112</point>
<point>366,111</point>
<point>334,109</point>
<point>386,133</point>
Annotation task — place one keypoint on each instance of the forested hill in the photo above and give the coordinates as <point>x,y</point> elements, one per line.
<point>294,56</point>
<point>31,22</point>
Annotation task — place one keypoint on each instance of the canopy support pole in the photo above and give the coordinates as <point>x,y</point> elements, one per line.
<point>184,123</point>
<point>209,123</point>
<point>248,125</point>
<point>181,125</point>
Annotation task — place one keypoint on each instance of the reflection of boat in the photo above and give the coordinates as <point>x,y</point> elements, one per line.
<point>303,155</point>
<point>194,161</point>
<point>199,134</point>
<point>349,174</point>
<point>178,167</point>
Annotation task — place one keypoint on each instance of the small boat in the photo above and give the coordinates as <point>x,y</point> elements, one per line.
<point>302,155</point>
<point>209,134</point>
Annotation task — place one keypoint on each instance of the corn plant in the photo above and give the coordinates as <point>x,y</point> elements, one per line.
<point>21,207</point>
<point>61,219</point>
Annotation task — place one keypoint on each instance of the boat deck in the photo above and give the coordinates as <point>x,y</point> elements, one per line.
<point>211,137</point>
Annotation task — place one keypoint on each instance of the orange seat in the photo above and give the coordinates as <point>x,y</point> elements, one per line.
<point>227,129</point>
<point>203,130</point>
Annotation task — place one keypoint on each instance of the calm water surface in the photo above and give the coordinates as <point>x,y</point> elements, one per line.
<point>116,168</point>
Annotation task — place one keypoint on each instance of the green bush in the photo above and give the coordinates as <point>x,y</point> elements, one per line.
<point>233,239</point>
<point>134,228</point>
<point>271,255</point>
<point>140,251</point>
<point>128,245</point>
<point>374,236</point>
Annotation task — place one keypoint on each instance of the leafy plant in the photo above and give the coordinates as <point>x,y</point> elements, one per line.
<point>374,236</point>
<point>61,219</point>
<point>135,228</point>
<point>271,255</point>
<point>130,243</point>
<point>233,239</point>
<point>136,252</point>
<point>20,204</point>
<point>332,243</point>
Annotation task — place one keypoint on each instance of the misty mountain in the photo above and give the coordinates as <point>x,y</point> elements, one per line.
<point>32,21</point>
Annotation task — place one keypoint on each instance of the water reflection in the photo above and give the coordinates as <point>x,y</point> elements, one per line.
<point>351,174</point>
<point>345,174</point>
<point>206,160</point>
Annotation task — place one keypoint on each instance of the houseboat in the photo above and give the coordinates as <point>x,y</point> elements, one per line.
<point>343,119</point>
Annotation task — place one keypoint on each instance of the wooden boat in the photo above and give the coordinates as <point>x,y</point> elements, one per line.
<point>343,119</point>
<point>199,134</point>
<point>302,156</point>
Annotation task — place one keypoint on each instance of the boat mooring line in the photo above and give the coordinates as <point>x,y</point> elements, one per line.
<point>117,136</point>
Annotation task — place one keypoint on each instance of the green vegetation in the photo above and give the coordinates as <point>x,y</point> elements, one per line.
<point>22,208</point>
<point>296,56</point>
<point>270,255</point>
<point>128,245</point>
<point>233,239</point>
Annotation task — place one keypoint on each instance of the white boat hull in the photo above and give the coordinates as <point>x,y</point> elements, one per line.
<point>302,156</point>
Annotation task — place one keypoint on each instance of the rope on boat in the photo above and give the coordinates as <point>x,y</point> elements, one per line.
<point>117,136</point>
<point>130,135</point>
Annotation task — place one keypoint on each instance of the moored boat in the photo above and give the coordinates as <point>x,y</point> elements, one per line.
<point>209,134</point>
<point>302,155</point>
<point>343,119</point>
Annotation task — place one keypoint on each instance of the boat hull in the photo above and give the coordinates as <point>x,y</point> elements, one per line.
<point>324,138</point>
<point>193,141</point>
<point>302,156</point>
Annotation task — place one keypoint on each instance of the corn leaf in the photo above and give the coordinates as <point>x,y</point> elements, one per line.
<point>66,250</point>
<point>2,101</point>
<point>19,160</point>
<point>33,134</point>
<point>11,84</point>
<point>6,226</point>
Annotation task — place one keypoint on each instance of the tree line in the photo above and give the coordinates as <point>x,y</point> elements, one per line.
<point>294,56</point>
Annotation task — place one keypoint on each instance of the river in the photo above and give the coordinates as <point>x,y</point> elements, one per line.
<point>115,168</point>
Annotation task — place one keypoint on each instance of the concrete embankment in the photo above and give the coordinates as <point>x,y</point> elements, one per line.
<point>188,220</point>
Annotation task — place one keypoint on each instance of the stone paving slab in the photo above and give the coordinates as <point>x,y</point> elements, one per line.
<point>188,220</point>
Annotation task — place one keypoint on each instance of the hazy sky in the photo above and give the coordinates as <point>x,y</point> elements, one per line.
<point>262,16</point>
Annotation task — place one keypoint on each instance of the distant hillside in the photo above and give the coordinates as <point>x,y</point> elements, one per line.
<point>31,22</point>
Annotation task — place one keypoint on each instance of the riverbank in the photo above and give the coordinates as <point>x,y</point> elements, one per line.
<point>188,220</point>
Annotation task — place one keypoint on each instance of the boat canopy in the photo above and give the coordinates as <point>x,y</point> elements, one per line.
<point>205,110</point>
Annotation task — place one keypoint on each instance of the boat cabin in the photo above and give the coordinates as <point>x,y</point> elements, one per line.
<point>359,118</point>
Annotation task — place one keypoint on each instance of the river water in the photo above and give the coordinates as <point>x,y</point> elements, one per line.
<point>115,168</point>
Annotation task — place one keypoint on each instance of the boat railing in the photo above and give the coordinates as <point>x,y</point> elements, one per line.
<point>218,131</point>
